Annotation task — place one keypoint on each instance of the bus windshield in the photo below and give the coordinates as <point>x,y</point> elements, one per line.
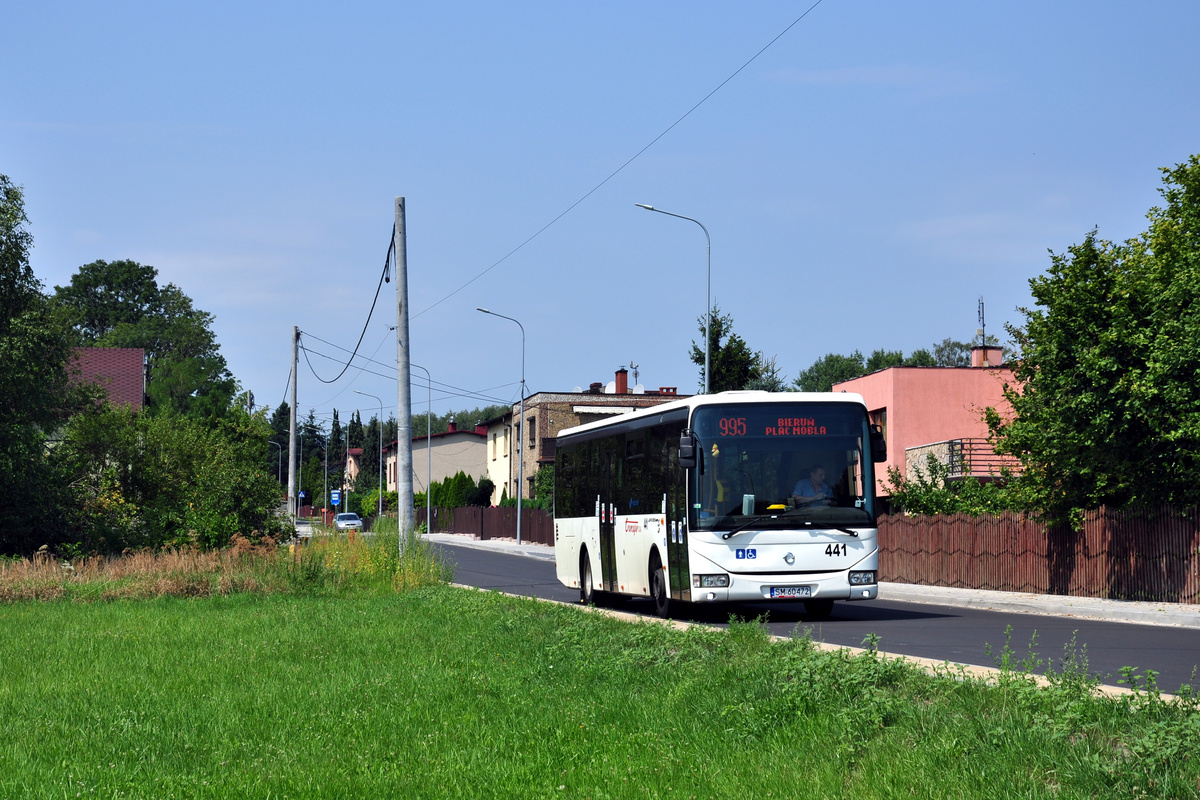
<point>781,465</point>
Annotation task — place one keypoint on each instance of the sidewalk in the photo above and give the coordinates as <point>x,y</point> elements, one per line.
<point>1180,615</point>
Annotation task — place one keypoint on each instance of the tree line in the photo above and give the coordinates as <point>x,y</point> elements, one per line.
<point>736,366</point>
<point>83,475</point>
<point>1104,393</point>
<point>322,448</point>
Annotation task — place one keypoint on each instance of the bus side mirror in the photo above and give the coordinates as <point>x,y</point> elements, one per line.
<point>878,444</point>
<point>687,450</point>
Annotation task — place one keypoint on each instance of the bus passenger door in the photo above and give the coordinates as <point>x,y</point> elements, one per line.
<point>608,528</point>
<point>675,500</point>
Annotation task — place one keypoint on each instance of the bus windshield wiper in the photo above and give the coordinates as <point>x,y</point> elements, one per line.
<point>747,524</point>
<point>847,530</point>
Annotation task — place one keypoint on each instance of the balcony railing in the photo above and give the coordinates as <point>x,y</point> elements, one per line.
<point>963,458</point>
<point>977,459</point>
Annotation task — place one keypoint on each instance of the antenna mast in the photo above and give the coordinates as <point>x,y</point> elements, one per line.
<point>982,332</point>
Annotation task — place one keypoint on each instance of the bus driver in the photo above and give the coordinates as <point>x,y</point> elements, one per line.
<point>813,490</point>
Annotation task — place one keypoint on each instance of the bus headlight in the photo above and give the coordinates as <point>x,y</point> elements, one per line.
<point>709,581</point>
<point>861,578</point>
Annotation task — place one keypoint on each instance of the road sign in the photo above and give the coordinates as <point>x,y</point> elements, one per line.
<point>335,497</point>
<point>302,494</point>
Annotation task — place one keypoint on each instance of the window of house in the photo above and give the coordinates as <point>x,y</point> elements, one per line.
<point>532,431</point>
<point>879,417</point>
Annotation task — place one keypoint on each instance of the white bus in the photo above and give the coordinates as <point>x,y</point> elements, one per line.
<point>732,497</point>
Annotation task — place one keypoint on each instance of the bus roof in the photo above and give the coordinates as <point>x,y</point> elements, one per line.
<point>748,397</point>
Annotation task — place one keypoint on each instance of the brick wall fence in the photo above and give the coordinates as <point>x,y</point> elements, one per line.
<point>1123,554</point>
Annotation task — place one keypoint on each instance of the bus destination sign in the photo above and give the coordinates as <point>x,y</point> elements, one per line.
<point>784,426</point>
<point>796,426</point>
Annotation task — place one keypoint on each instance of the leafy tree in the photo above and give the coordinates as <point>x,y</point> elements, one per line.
<point>770,378</point>
<point>120,304</point>
<point>929,490</point>
<point>830,369</point>
<point>920,358</point>
<point>354,431</point>
<point>882,359</point>
<point>34,394</point>
<point>1106,405</point>
<point>952,353</point>
<point>157,480</point>
<point>482,496</point>
<point>734,365</point>
<point>368,503</point>
<point>454,492</point>
<point>834,368</point>
<point>543,488</point>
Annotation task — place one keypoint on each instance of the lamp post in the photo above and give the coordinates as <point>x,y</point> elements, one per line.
<point>279,469</point>
<point>428,447</point>
<point>521,433</point>
<point>366,394</point>
<point>707,285</point>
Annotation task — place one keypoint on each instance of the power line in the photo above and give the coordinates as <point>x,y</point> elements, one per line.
<point>621,168</point>
<point>387,262</point>
<point>463,392</point>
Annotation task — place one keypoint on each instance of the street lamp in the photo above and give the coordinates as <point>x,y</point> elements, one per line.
<point>279,469</point>
<point>521,432</point>
<point>366,394</point>
<point>707,289</point>
<point>428,448</point>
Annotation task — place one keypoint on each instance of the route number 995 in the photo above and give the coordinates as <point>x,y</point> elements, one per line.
<point>733,426</point>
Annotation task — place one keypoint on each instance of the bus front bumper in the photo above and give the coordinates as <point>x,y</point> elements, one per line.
<point>785,588</point>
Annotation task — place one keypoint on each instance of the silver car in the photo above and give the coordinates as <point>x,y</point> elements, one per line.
<point>348,521</point>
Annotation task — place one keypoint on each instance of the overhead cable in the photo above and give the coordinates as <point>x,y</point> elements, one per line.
<point>387,260</point>
<point>619,169</point>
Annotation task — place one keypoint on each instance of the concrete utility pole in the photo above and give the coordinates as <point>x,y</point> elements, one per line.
<point>404,485</point>
<point>292,509</point>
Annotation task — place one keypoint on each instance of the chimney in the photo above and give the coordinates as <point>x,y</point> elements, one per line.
<point>481,429</point>
<point>986,356</point>
<point>595,388</point>
<point>622,381</point>
<point>451,427</point>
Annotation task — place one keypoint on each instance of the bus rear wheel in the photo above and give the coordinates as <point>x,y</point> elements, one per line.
<point>818,609</point>
<point>587,592</point>
<point>658,586</point>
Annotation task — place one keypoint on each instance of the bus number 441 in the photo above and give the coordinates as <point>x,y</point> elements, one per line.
<point>835,550</point>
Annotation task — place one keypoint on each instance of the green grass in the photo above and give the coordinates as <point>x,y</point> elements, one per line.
<point>444,692</point>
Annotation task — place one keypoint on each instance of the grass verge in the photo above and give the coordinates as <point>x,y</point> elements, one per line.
<point>443,692</point>
<point>328,563</point>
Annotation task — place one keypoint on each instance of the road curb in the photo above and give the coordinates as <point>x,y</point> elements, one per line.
<point>1177,615</point>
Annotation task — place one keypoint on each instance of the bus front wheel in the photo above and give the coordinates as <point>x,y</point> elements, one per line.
<point>658,586</point>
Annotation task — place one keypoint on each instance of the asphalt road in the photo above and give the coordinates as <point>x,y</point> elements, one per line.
<point>914,629</point>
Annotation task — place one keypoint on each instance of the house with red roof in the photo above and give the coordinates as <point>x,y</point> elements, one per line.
<point>119,371</point>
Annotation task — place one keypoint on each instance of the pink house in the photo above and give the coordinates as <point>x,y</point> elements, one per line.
<point>937,410</point>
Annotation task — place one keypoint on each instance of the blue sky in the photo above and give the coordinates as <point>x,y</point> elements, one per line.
<point>864,180</point>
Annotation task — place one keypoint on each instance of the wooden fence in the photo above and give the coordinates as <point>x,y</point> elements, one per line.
<point>537,527</point>
<point>1123,554</point>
